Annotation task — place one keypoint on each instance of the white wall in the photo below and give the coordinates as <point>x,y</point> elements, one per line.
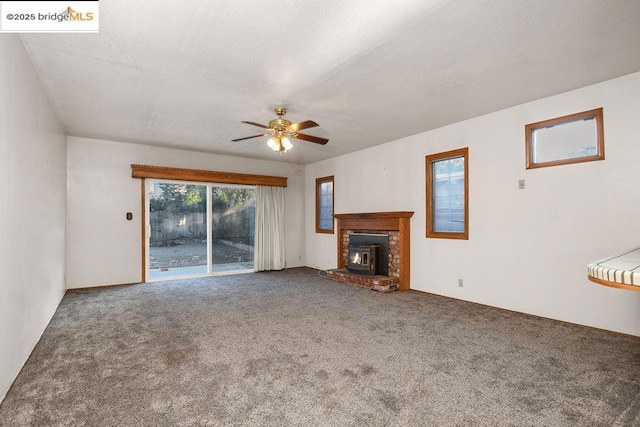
<point>32,209</point>
<point>103,248</point>
<point>528,249</point>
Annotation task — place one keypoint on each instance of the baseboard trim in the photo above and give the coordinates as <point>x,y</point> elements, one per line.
<point>527,314</point>
<point>115,285</point>
<point>3,397</point>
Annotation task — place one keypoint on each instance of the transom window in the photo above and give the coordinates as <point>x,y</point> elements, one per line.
<point>575,138</point>
<point>448,194</point>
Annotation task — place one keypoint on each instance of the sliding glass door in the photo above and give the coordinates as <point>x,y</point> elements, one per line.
<point>196,229</point>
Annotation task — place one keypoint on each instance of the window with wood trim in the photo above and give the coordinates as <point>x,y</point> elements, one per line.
<point>448,194</point>
<point>575,138</point>
<point>324,205</point>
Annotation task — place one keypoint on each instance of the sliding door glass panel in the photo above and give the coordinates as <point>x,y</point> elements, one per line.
<point>233,217</point>
<point>177,230</point>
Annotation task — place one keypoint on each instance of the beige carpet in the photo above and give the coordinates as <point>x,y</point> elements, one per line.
<point>292,348</point>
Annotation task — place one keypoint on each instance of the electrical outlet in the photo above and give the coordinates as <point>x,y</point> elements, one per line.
<point>460,283</point>
<point>521,184</point>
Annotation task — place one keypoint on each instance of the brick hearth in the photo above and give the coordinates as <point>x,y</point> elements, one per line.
<point>378,283</point>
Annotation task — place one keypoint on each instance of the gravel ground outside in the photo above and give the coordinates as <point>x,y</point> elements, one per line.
<point>195,253</point>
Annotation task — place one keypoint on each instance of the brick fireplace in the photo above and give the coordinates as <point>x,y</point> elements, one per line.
<point>394,224</point>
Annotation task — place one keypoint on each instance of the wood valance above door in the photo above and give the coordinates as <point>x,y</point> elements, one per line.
<point>199,175</point>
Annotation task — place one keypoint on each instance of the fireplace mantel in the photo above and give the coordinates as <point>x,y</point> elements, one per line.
<point>380,221</point>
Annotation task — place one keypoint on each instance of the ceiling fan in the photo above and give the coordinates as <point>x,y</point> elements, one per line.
<point>280,128</point>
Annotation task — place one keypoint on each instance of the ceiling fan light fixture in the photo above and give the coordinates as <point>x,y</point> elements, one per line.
<point>279,143</point>
<point>282,127</point>
<point>286,143</point>
<point>273,143</point>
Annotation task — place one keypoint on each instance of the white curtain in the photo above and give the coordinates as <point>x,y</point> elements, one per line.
<point>269,238</point>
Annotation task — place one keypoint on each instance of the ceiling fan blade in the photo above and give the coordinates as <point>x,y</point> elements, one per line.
<point>309,138</point>
<point>248,137</point>
<point>256,124</point>
<point>303,125</point>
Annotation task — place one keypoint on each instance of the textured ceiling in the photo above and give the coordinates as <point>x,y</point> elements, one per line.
<point>184,76</point>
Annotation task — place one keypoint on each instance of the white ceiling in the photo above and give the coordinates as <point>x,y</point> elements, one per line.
<point>369,72</point>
